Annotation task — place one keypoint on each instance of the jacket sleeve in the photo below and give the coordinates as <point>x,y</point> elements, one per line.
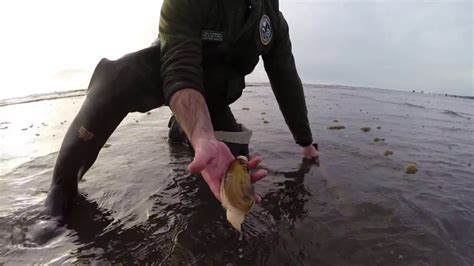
<point>180,27</point>
<point>286,85</point>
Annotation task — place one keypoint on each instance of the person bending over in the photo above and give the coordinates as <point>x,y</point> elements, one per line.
<point>197,66</point>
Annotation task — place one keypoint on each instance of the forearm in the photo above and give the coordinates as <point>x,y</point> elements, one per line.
<point>289,94</point>
<point>190,109</point>
<point>281,69</point>
<point>293,108</point>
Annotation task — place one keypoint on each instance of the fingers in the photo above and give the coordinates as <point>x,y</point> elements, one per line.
<point>216,189</point>
<point>310,155</point>
<point>258,198</point>
<point>258,175</point>
<point>310,152</point>
<point>255,161</point>
<point>199,163</point>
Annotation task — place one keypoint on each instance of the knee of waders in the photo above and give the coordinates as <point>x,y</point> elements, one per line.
<point>124,84</point>
<point>115,80</point>
<point>100,76</point>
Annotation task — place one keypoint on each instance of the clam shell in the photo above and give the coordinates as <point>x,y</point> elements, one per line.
<point>237,192</point>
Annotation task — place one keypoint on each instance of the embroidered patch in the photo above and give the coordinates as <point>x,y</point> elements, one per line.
<point>212,36</point>
<point>266,31</point>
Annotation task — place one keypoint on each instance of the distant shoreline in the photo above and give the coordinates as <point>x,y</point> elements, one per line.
<point>42,97</point>
<point>338,86</point>
<point>82,92</point>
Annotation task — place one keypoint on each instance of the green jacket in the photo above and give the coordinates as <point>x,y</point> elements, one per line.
<point>210,45</point>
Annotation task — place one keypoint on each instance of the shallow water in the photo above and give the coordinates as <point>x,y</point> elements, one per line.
<point>357,207</point>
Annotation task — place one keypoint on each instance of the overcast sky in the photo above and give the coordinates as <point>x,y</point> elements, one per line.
<point>423,45</point>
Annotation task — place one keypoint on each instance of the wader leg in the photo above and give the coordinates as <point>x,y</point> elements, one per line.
<point>238,142</point>
<point>176,132</point>
<point>116,88</point>
<point>79,150</point>
<point>234,135</point>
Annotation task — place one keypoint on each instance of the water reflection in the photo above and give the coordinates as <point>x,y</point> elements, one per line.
<point>181,208</point>
<point>206,235</point>
<point>102,238</point>
<point>289,199</point>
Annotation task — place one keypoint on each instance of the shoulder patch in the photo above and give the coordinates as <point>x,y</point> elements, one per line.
<point>266,30</point>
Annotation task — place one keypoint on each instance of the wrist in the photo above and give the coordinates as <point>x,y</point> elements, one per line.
<point>201,137</point>
<point>305,143</point>
<point>315,145</point>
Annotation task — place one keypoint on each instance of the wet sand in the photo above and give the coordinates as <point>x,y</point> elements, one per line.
<point>357,207</point>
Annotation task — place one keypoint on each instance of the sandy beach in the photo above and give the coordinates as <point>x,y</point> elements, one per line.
<point>357,207</point>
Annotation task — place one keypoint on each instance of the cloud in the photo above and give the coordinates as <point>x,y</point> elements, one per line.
<point>422,45</point>
<point>404,45</point>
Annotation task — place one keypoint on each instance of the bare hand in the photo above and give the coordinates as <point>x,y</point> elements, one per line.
<point>310,152</point>
<point>212,158</point>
